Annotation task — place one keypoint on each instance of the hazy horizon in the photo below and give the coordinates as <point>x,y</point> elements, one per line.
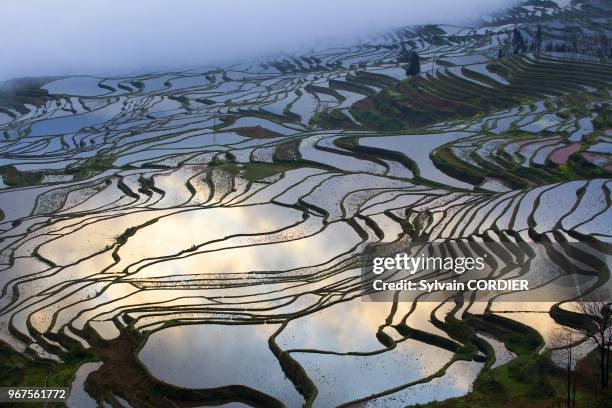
<point>63,37</point>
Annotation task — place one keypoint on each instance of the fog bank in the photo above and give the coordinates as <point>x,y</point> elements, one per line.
<point>59,37</point>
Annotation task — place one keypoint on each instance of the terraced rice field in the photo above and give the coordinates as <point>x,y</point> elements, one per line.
<point>197,236</point>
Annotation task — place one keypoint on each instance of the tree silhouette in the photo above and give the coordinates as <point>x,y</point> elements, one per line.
<point>414,67</point>
<point>597,306</point>
<point>404,55</point>
<point>538,38</point>
<point>518,42</point>
<point>563,340</point>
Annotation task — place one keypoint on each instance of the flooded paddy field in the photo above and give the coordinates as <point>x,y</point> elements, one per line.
<point>197,238</point>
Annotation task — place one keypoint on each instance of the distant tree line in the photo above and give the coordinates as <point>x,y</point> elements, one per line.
<point>597,45</point>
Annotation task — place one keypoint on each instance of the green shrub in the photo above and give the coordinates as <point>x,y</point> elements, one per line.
<point>15,178</point>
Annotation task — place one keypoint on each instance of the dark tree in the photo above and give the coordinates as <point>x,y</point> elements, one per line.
<point>601,44</point>
<point>404,55</point>
<point>414,67</point>
<point>574,43</point>
<point>563,341</point>
<point>597,306</point>
<point>538,38</point>
<point>518,42</point>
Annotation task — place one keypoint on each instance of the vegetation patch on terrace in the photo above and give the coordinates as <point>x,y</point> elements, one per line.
<point>256,132</point>
<point>426,99</point>
<point>16,93</point>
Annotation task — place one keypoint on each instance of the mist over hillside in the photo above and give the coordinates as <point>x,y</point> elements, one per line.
<point>108,37</point>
